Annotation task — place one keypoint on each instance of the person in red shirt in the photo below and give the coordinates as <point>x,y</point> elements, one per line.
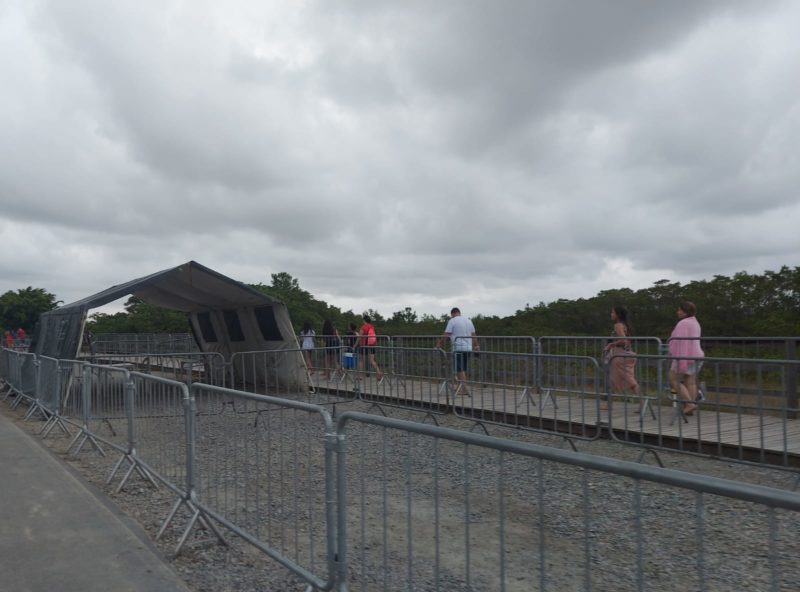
<point>366,344</point>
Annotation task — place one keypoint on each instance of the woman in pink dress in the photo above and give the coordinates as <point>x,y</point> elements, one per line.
<point>685,343</point>
<point>622,357</point>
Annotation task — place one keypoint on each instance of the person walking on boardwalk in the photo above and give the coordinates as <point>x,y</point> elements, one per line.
<point>461,333</point>
<point>621,356</point>
<point>685,343</point>
<point>333,345</point>
<point>367,342</point>
<point>308,336</point>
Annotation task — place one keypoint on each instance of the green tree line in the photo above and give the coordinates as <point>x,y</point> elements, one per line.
<point>741,305</point>
<point>21,309</point>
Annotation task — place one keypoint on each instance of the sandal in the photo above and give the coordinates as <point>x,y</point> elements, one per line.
<point>688,408</point>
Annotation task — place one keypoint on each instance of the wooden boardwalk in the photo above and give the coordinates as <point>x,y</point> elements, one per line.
<point>717,430</point>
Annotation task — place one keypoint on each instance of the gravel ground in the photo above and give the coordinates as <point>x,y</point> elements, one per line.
<point>449,505</point>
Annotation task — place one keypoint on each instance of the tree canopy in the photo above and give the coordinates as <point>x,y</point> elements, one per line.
<point>21,309</point>
<point>740,305</point>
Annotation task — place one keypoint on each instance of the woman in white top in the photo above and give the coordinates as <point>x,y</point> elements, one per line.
<point>307,343</point>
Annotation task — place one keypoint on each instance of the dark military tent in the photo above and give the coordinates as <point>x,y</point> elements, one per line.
<point>226,316</point>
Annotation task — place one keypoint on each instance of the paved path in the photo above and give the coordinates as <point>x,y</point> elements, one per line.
<point>56,534</point>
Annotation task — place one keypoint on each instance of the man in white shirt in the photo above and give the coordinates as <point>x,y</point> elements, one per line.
<point>461,333</point>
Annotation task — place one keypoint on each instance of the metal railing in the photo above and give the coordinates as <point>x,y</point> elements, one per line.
<point>748,412</point>
<point>186,367</point>
<point>374,502</point>
<point>449,509</point>
<point>564,402</point>
<point>264,469</point>
<point>142,343</point>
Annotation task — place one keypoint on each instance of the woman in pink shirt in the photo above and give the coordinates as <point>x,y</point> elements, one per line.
<point>685,343</point>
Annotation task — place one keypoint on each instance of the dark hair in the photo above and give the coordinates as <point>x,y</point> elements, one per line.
<point>353,326</point>
<point>366,318</point>
<point>327,328</point>
<point>455,310</point>
<point>622,317</point>
<point>688,307</point>
<point>307,326</point>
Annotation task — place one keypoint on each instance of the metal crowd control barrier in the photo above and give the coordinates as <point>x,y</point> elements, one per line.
<point>748,412</point>
<point>424,507</point>
<point>105,394</point>
<point>143,343</point>
<point>563,402</point>
<point>265,470</point>
<point>412,378</point>
<point>594,347</point>
<point>68,409</point>
<point>278,371</point>
<point>156,448</point>
<point>189,367</point>
<point>771,348</point>
<point>4,367</point>
<point>333,376</point>
<point>46,399</point>
<point>24,373</point>
<point>11,376</point>
<point>517,344</point>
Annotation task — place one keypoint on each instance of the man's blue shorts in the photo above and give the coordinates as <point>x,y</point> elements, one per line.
<point>461,360</point>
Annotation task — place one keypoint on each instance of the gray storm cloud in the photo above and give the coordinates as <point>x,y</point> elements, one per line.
<point>399,155</point>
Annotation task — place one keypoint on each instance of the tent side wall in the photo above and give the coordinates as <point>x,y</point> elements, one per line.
<point>59,333</point>
<point>232,332</point>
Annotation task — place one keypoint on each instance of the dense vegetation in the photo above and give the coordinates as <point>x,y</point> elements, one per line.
<point>741,305</point>
<point>21,309</point>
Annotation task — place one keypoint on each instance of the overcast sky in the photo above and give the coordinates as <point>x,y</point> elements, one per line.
<point>392,154</point>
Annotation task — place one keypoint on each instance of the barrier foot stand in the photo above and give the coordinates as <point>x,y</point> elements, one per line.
<point>86,437</point>
<point>548,395</point>
<point>646,406</point>
<point>678,412</point>
<point>197,515</point>
<point>569,441</point>
<point>476,423</point>
<point>654,453</point>
<point>55,420</point>
<point>143,473</point>
<point>525,396</point>
<point>134,466</point>
<point>37,407</point>
<point>379,408</point>
<point>17,401</point>
<point>432,416</point>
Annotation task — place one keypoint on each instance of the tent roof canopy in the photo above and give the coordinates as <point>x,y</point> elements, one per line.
<point>190,287</point>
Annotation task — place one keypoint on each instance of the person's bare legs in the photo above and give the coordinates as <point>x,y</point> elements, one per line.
<point>691,386</point>
<point>682,391</point>
<point>461,377</point>
<point>637,392</point>
<point>374,364</point>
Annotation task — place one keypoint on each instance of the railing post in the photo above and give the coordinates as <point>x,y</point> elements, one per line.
<point>791,379</point>
<point>341,502</point>
<point>190,417</point>
<point>86,395</point>
<point>130,394</point>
